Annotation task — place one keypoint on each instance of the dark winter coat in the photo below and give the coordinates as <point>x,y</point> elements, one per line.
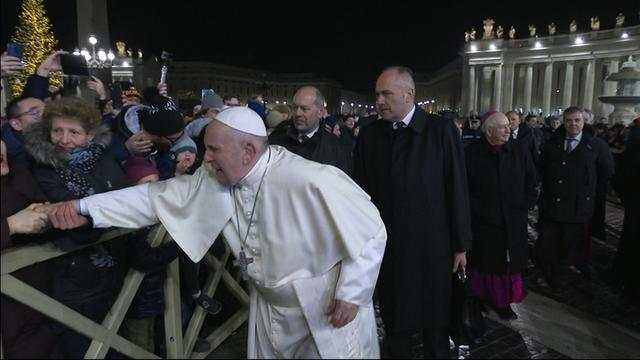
<point>416,177</point>
<point>528,142</point>
<point>501,191</point>
<point>323,147</point>
<point>626,185</point>
<point>14,140</point>
<point>88,275</point>
<point>570,181</point>
<point>25,332</point>
<point>149,300</point>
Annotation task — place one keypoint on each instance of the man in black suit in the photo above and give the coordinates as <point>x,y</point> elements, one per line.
<point>412,164</point>
<point>523,135</point>
<point>307,136</point>
<point>574,165</point>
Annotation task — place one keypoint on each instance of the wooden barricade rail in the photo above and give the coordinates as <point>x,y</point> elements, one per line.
<point>105,335</point>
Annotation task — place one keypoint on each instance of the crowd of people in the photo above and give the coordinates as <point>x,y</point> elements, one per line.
<point>454,194</point>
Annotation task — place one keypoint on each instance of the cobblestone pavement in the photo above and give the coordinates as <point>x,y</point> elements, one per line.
<point>598,296</point>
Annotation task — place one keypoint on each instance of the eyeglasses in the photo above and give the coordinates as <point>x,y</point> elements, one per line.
<point>31,112</point>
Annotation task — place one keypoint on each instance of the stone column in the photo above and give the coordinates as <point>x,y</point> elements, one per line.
<point>485,102</point>
<point>568,85</point>
<point>587,102</point>
<point>93,19</point>
<point>471,98</point>
<point>528,82</point>
<point>507,103</point>
<point>546,91</point>
<point>497,89</point>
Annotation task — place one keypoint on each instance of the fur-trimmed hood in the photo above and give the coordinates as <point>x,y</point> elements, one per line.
<point>37,141</point>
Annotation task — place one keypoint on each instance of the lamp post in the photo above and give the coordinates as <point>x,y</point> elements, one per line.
<point>98,59</point>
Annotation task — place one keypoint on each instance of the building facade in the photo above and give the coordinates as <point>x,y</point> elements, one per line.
<point>186,79</point>
<point>543,75</point>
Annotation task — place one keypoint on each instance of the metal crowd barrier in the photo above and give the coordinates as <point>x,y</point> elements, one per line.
<point>105,335</point>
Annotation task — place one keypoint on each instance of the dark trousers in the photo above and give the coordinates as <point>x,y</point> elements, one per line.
<point>435,344</point>
<point>556,243</point>
<point>190,275</point>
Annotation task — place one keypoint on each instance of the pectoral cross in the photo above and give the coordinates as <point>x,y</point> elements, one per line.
<point>243,262</point>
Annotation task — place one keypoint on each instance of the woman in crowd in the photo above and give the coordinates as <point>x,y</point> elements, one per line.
<point>502,181</point>
<point>71,160</point>
<point>25,332</point>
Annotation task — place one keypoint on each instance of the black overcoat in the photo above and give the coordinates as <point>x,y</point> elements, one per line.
<point>323,147</point>
<point>502,188</point>
<point>570,181</point>
<point>416,177</point>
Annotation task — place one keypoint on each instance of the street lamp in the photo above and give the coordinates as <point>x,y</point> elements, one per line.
<point>98,59</point>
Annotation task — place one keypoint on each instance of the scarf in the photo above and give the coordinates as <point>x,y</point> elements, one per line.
<point>76,175</point>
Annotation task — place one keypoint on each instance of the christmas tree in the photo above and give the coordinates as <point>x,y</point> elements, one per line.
<point>35,34</point>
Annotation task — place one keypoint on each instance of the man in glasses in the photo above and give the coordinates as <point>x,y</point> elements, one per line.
<point>21,112</point>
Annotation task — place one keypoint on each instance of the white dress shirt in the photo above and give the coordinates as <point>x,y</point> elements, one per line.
<point>407,118</point>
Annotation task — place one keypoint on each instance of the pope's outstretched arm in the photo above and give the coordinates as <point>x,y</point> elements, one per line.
<point>126,208</point>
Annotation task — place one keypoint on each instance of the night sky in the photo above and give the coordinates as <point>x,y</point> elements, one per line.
<point>348,41</point>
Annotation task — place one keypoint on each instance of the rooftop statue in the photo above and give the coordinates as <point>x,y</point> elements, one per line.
<point>620,20</point>
<point>121,46</point>
<point>488,28</point>
<point>573,27</point>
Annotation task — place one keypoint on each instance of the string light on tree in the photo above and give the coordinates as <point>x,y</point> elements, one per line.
<point>34,33</point>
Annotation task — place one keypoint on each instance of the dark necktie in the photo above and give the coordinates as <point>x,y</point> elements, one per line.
<point>399,125</point>
<point>303,138</point>
<point>569,146</point>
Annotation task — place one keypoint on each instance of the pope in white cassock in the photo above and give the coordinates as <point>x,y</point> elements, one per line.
<point>311,237</point>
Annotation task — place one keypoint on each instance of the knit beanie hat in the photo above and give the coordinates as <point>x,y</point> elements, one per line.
<point>161,122</point>
<point>137,168</point>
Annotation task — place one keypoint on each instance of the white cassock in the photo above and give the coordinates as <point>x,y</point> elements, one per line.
<point>315,236</point>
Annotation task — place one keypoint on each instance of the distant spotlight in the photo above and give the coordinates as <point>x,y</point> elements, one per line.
<point>342,102</point>
<point>284,102</point>
<point>624,35</point>
<point>492,47</point>
<point>102,55</point>
<point>277,102</point>
<point>93,40</point>
<point>473,48</point>
<point>579,41</point>
<point>125,63</point>
<point>351,104</point>
<point>110,55</point>
<point>86,54</point>
<point>538,45</point>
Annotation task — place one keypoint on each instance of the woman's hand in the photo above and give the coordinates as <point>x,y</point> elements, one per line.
<point>30,220</point>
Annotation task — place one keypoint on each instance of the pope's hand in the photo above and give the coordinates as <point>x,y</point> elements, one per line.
<point>66,215</point>
<point>341,312</point>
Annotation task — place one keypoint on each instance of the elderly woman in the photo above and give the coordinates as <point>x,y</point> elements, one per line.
<point>502,181</point>
<point>69,148</point>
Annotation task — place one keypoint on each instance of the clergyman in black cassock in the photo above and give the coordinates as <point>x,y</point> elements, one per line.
<point>412,164</point>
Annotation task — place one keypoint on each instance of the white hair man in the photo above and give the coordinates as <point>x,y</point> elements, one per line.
<point>307,238</point>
